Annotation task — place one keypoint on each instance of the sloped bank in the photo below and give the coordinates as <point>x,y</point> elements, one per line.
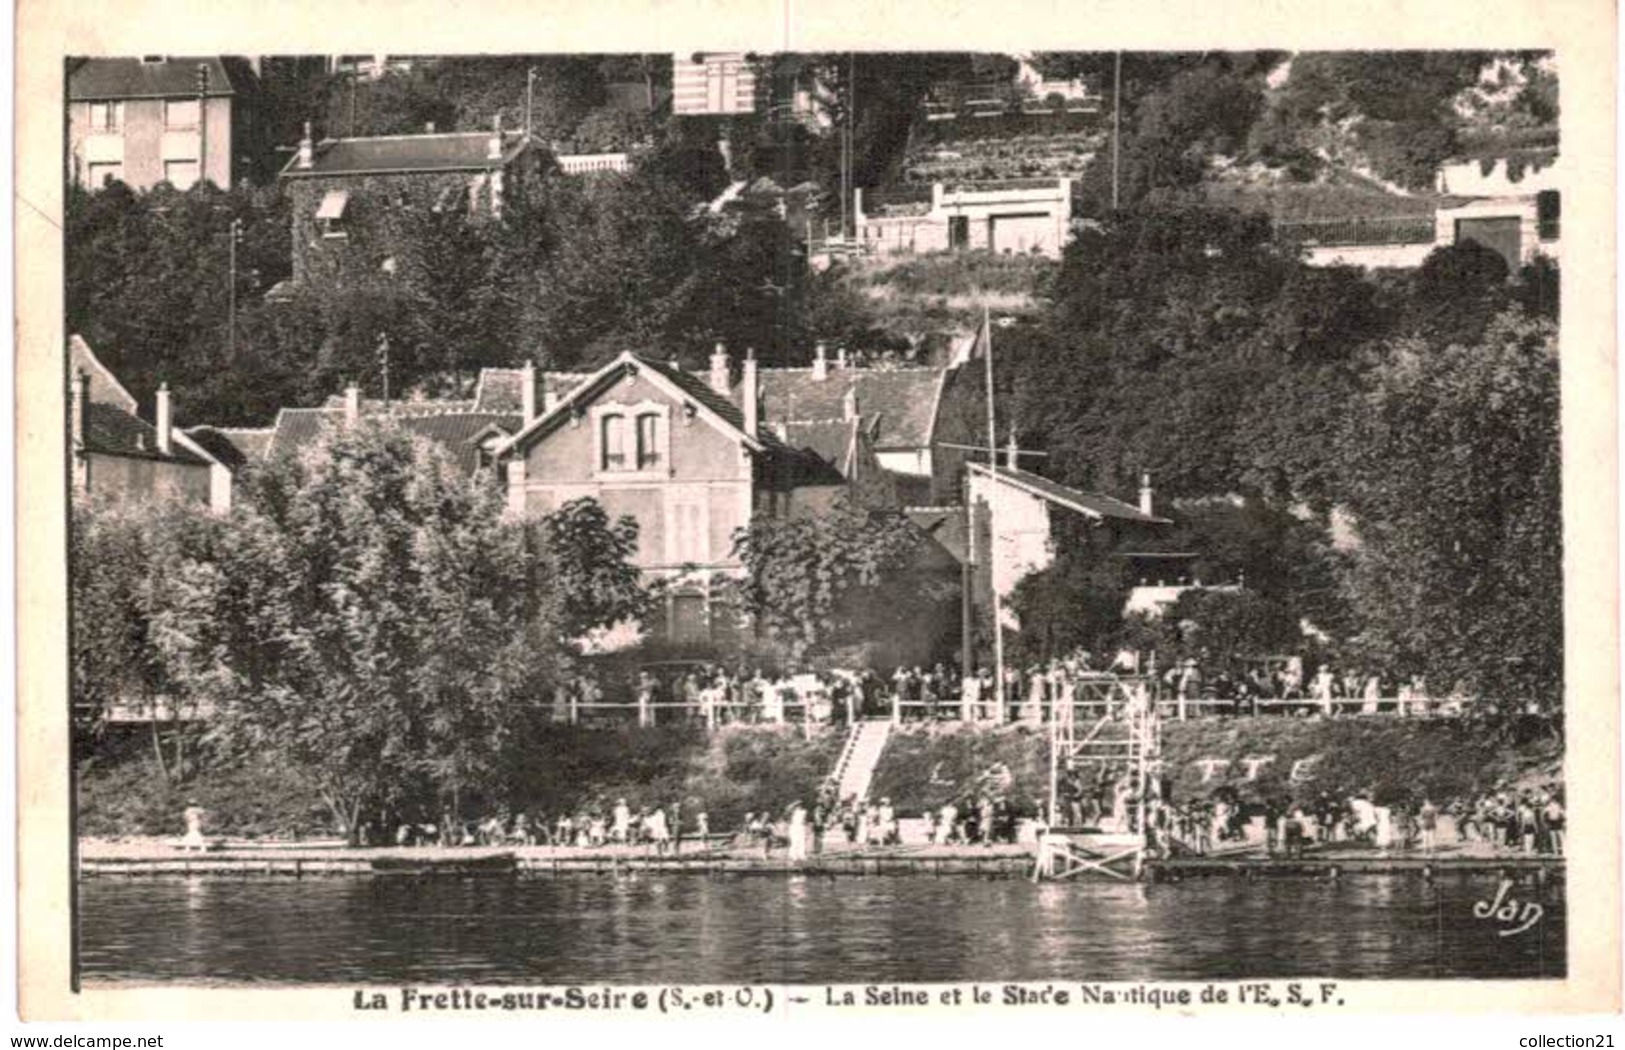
<point>121,791</point>
<point>1399,760</point>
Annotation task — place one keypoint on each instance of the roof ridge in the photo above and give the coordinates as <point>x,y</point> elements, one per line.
<point>423,135</point>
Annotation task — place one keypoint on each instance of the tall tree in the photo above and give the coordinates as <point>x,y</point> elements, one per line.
<point>1453,464</point>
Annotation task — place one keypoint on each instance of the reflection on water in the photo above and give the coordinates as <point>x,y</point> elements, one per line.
<point>803,930</point>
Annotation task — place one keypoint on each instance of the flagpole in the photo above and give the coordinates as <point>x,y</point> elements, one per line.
<point>993,517</point>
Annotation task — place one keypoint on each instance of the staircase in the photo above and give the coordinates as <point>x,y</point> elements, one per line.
<point>856,767</point>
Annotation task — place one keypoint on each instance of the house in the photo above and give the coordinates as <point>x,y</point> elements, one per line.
<point>713,83</point>
<point>159,118</point>
<point>907,413</point>
<point>1010,215</point>
<point>1513,206</point>
<point>346,195</point>
<point>675,452</point>
<point>464,432</point>
<point>118,457</point>
<point>1010,536</point>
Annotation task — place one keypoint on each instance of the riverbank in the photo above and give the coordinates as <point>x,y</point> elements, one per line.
<point>742,769</point>
<point>156,857</point>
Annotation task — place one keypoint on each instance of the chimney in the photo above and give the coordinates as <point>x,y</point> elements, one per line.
<point>1010,450</point>
<point>428,128</point>
<point>307,150</point>
<point>748,393</point>
<point>78,397</point>
<point>527,391</point>
<point>720,374</point>
<point>849,403</point>
<point>840,357</point>
<point>352,405</point>
<point>165,424</point>
<point>494,152</point>
<point>820,369</point>
<point>1146,502</point>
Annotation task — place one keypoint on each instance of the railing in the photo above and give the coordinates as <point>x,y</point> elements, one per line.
<point>813,711</point>
<point>1395,229</point>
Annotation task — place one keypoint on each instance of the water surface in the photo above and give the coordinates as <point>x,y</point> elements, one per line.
<point>803,930</point>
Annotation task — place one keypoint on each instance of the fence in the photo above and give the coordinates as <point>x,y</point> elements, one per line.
<point>1395,229</point>
<point>820,709</point>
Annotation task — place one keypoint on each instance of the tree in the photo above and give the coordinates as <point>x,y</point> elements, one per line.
<point>392,647</point>
<point>1224,629</point>
<point>819,581</point>
<point>1453,465</point>
<point>588,563</point>
<point>144,586</point>
<point>1075,603</point>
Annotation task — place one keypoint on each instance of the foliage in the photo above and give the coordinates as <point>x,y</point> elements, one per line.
<point>1453,465</point>
<point>1225,628</point>
<point>1075,603</point>
<point>145,586</point>
<point>813,582</point>
<point>588,562</point>
<point>147,282</point>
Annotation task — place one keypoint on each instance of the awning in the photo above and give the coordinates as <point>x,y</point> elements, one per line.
<point>333,204</point>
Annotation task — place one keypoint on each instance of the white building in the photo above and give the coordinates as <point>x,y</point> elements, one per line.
<point>1012,215</point>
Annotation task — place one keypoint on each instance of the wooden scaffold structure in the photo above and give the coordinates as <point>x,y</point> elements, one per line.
<point>1125,737</point>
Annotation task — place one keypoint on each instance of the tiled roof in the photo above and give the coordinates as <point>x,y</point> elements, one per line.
<point>1091,503</point>
<point>459,151</point>
<point>699,390</point>
<point>832,442</point>
<point>902,400</point>
<point>946,526</point>
<point>454,431</point>
<point>115,78</point>
<point>233,446</point>
<point>104,385</point>
<point>115,432</point>
<point>501,389</point>
<point>372,406</point>
<point>687,384</point>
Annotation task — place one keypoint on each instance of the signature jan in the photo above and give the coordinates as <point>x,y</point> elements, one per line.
<point>1508,912</point>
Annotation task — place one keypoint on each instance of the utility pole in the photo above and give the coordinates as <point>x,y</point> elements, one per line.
<point>1117,124</point>
<point>235,239</point>
<point>383,364</point>
<point>846,137</point>
<point>203,122</point>
<point>993,515</point>
<point>530,95</point>
<point>353,89</point>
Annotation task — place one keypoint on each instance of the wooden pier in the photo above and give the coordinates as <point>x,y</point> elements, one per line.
<point>1001,861</point>
<point>1334,865</point>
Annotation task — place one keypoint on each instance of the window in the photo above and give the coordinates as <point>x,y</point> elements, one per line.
<point>102,174</point>
<point>106,116</point>
<point>181,113</point>
<point>648,441</point>
<point>330,213</point>
<point>612,443</point>
<point>181,174</point>
<point>1548,211</point>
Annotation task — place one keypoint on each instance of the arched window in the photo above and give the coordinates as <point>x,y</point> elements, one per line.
<point>648,441</point>
<point>612,443</point>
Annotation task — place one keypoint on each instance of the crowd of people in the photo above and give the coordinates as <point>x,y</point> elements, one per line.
<point>1035,693</point>
<point>1528,821</point>
<point>1103,798</point>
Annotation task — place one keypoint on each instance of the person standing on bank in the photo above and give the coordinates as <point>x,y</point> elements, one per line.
<point>798,832</point>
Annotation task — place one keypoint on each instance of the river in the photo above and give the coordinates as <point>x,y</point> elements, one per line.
<point>694,929</point>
